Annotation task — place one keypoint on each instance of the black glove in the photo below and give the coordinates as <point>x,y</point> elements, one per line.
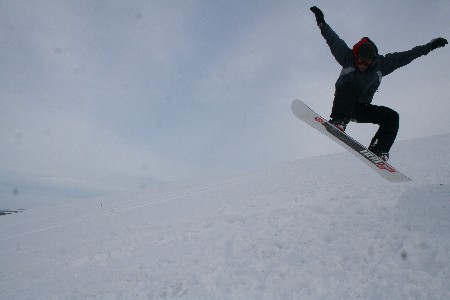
<point>437,43</point>
<point>319,16</point>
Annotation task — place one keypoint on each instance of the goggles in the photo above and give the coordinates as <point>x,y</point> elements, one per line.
<point>365,61</point>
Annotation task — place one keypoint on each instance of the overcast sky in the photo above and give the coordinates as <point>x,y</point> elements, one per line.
<point>98,95</point>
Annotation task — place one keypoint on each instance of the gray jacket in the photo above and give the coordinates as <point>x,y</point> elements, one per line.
<point>369,80</point>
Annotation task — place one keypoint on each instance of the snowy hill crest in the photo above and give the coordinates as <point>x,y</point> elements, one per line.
<point>323,228</point>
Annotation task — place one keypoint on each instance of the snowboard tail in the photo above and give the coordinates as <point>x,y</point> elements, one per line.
<point>307,115</point>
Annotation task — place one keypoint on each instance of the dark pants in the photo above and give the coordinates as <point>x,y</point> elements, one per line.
<point>387,118</point>
<point>345,106</point>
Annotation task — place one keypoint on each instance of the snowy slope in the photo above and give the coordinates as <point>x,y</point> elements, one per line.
<point>322,228</point>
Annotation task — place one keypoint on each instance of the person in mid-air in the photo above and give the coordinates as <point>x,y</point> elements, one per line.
<point>362,71</point>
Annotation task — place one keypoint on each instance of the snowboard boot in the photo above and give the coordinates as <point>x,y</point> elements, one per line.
<point>340,124</point>
<point>384,155</point>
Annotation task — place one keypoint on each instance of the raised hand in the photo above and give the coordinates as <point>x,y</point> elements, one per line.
<point>437,43</point>
<point>319,15</point>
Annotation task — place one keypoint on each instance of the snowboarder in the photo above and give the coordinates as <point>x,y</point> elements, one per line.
<point>362,71</point>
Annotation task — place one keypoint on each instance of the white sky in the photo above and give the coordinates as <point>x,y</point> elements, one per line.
<point>97,95</point>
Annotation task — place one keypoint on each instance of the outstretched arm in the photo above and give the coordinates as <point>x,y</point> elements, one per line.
<point>393,61</point>
<point>339,49</point>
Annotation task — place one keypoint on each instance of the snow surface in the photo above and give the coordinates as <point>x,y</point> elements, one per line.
<point>322,228</point>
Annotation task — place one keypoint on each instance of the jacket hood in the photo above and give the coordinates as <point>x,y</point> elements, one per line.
<point>364,40</point>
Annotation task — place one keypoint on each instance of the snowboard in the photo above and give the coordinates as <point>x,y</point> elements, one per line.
<point>307,115</point>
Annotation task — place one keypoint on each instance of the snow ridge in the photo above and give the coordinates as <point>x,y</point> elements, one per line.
<point>322,228</point>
